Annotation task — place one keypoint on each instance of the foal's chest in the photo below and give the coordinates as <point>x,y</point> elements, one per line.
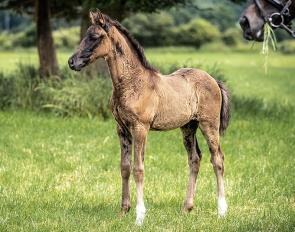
<point>121,112</point>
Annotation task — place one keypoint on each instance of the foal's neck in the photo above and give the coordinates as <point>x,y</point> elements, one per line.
<point>124,63</point>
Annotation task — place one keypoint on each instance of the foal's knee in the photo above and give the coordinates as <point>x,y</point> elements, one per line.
<point>217,162</point>
<point>138,174</point>
<point>195,163</point>
<point>125,170</point>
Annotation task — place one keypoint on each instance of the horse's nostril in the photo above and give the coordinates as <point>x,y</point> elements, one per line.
<point>244,22</point>
<point>71,61</point>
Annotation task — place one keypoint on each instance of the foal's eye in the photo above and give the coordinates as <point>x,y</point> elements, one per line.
<point>93,38</point>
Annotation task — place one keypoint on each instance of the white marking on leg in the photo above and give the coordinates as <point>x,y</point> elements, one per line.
<point>140,213</point>
<point>222,207</point>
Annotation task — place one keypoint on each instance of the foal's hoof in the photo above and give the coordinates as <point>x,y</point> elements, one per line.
<point>187,209</point>
<point>124,211</point>
<point>140,214</point>
<point>222,207</point>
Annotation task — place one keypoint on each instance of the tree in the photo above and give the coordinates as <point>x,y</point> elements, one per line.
<point>40,10</point>
<point>43,10</point>
<point>45,44</point>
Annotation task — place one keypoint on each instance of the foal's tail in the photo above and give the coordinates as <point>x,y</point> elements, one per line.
<point>225,113</point>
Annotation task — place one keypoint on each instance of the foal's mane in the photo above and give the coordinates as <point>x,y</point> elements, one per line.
<point>133,41</point>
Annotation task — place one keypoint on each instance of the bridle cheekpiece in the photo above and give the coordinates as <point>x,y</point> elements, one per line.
<point>279,19</point>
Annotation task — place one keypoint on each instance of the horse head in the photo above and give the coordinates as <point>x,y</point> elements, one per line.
<point>259,12</point>
<point>94,45</point>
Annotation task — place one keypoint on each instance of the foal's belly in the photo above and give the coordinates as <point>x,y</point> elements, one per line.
<point>177,104</point>
<point>170,119</point>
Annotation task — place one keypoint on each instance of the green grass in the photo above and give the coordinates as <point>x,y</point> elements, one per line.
<point>62,174</point>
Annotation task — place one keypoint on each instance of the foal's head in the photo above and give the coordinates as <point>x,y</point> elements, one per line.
<point>94,45</point>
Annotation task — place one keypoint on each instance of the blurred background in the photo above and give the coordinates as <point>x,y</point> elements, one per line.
<point>38,36</point>
<point>51,24</point>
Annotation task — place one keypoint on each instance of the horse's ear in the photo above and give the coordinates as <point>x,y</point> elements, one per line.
<point>97,17</point>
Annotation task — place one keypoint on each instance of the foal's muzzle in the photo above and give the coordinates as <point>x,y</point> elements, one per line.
<point>77,64</point>
<point>71,63</point>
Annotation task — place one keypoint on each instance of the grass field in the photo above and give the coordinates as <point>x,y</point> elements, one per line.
<point>62,174</point>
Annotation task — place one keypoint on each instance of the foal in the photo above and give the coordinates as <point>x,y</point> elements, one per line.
<point>143,100</point>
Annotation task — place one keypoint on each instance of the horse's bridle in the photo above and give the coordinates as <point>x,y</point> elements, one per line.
<point>279,19</point>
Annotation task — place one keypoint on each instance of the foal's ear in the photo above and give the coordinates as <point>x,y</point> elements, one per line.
<point>97,17</point>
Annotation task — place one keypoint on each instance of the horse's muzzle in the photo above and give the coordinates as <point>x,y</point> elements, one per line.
<point>245,25</point>
<point>251,31</point>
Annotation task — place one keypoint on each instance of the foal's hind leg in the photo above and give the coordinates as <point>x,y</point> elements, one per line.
<point>194,159</point>
<point>211,133</point>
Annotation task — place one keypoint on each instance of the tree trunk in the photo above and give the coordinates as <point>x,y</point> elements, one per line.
<point>85,22</point>
<point>45,44</point>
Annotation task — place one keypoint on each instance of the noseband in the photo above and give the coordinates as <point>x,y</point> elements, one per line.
<point>279,19</point>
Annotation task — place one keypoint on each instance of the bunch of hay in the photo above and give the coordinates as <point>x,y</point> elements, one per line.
<point>269,37</point>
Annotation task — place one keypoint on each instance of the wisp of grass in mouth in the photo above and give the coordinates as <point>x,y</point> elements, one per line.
<point>269,36</point>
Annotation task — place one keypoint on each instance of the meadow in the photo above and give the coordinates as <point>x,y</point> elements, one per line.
<point>62,174</point>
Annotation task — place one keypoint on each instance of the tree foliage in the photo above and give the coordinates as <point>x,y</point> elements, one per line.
<point>43,10</point>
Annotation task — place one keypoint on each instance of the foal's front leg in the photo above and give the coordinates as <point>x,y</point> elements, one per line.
<point>126,151</point>
<point>139,134</point>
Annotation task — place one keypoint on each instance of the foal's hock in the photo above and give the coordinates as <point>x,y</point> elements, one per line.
<point>143,99</point>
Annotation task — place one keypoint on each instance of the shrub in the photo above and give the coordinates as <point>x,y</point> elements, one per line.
<point>26,38</point>
<point>287,47</point>
<point>66,38</point>
<point>150,29</point>
<point>63,38</point>
<point>17,89</point>
<point>196,33</point>
<point>6,41</point>
<point>78,97</point>
<point>231,36</point>
<point>69,95</point>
